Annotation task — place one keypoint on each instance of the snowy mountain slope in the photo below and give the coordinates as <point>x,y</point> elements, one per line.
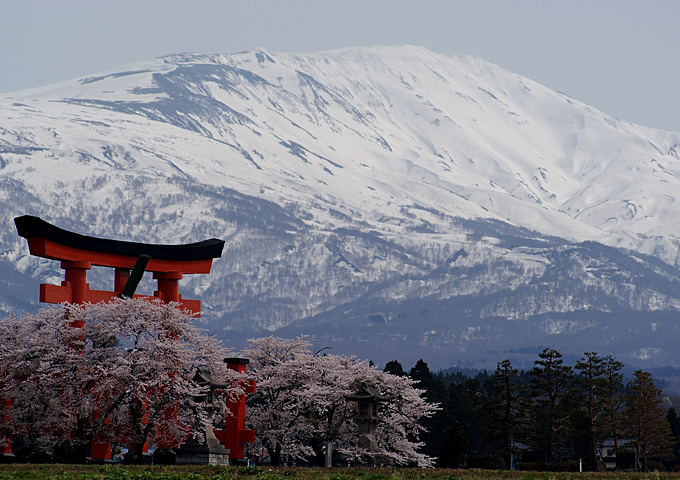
<point>350,179</point>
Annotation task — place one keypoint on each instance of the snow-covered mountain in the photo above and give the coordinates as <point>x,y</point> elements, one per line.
<point>390,201</point>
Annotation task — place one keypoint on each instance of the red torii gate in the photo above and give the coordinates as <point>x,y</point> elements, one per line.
<point>78,253</point>
<point>168,263</point>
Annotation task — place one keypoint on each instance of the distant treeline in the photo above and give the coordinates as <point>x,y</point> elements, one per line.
<point>553,416</point>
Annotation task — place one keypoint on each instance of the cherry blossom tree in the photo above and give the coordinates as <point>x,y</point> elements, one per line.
<point>301,406</point>
<point>112,372</point>
<point>271,410</point>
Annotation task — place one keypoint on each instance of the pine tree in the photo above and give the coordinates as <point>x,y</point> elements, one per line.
<point>394,367</point>
<point>463,408</point>
<point>435,392</point>
<point>501,409</point>
<point>594,389</point>
<point>548,409</point>
<point>647,421</point>
<point>610,423</point>
<point>453,445</point>
<point>674,423</point>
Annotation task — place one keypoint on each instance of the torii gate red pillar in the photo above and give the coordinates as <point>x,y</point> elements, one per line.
<point>6,448</point>
<point>235,435</point>
<point>78,253</point>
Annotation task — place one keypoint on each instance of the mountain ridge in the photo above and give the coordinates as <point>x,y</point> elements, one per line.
<point>349,179</point>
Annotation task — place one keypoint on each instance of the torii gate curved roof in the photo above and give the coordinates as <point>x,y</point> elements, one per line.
<point>49,241</point>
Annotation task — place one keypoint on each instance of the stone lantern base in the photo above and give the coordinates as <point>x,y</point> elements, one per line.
<point>212,452</point>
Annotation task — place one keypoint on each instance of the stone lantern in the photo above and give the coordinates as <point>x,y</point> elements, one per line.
<point>211,451</point>
<point>368,398</point>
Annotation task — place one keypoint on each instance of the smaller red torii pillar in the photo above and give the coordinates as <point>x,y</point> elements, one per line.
<point>235,435</point>
<point>6,448</point>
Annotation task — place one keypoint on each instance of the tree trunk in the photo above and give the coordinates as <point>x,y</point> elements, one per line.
<point>71,453</point>
<point>319,453</point>
<point>135,456</point>
<point>274,454</point>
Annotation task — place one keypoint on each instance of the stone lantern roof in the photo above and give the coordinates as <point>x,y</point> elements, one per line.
<point>204,377</point>
<point>366,393</point>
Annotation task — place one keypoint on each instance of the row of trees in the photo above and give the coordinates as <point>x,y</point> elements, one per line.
<point>123,373</point>
<point>553,413</point>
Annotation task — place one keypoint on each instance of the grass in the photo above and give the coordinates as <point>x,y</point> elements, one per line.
<point>207,472</point>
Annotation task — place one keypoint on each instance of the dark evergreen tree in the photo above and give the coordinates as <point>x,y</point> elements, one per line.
<point>453,446</point>
<point>394,367</point>
<point>611,422</point>
<point>421,372</point>
<point>593,385</point>
<point>501,411</point>
<point>674,423</point>
<point>435,392</point>
<point>464,401</point>
<point>549,409</point>
<point>647,422</point>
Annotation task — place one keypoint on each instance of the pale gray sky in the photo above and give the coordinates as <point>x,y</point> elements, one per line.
<point>620,56</point>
